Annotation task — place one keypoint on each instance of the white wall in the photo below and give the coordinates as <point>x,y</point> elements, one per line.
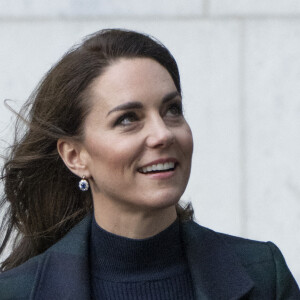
<point>240,68</point>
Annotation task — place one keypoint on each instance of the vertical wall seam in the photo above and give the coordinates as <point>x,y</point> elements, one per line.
<point>243,128</point>
<point>205,7</point>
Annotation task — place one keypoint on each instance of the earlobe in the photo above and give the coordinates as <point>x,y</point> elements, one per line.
<point>70,153</point>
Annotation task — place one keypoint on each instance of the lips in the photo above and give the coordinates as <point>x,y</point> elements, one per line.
<point>157,166</point>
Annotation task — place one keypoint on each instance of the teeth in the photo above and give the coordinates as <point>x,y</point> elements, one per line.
<point>159,167</point>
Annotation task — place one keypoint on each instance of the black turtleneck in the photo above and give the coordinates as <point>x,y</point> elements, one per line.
<point>152,268</point>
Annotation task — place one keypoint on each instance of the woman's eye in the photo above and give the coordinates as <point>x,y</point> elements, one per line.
<point>126,119</point>
<point>175,109</point>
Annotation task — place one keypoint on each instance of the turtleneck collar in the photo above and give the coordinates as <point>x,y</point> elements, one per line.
<point>118,258</point>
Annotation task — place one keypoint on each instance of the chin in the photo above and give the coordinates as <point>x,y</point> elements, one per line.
<point>164,200</point>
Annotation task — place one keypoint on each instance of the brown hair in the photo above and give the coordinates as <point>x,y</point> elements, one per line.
<point>44,201</point>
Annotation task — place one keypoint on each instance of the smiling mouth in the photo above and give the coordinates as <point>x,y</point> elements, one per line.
<point>158,168</point>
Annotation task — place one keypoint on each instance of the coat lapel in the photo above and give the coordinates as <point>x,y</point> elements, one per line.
<point>63,271</point>
<point>216,271</point>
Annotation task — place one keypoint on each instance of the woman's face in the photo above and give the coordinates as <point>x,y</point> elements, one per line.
<point>137,146</point>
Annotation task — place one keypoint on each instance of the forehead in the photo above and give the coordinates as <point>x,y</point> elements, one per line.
<point>137,79</point>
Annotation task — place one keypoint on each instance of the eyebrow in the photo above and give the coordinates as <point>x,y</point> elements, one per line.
<point>139,105</point>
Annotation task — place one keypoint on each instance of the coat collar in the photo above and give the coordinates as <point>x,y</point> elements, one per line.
<point>216,271</point>
<point>63,272</point>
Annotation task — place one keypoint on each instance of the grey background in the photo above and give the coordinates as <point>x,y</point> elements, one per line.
<point>240,68</point>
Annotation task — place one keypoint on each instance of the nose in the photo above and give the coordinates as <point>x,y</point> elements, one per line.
<point>159,135</point>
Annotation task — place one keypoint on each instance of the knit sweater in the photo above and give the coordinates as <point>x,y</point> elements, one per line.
<point>145,269</point>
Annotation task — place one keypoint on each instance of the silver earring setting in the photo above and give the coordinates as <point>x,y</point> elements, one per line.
<point>83,184</point>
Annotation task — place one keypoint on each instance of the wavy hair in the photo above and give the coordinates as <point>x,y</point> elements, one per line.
<point>43,200</point>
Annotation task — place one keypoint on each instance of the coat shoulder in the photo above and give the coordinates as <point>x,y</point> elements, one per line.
<point>17,283</point>
<point>248,251</point>
<point>262,261</point>
<point>21,281</point>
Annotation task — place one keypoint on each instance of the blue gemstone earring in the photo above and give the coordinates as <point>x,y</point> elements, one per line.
<point>83,184</point>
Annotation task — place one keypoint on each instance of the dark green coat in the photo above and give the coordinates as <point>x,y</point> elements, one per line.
<point>221,266</point>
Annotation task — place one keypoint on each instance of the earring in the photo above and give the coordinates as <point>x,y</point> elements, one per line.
<point>83,184</point>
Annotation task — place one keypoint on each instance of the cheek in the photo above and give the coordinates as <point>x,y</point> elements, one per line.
<point>111,155</point>
<point>186,141</point>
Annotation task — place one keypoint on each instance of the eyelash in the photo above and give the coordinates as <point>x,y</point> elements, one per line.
<point>178,107</point>
<point>125,116</point>
<point>133,115</point>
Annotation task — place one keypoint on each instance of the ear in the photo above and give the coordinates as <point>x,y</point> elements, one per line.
<point>74,156</point>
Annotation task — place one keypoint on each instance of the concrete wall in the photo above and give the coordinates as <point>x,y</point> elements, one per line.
<point>240,68</point>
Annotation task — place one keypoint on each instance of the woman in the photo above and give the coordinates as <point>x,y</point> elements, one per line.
<point>108,117</point>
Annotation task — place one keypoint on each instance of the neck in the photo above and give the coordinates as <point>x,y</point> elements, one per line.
<point>132,224</point>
